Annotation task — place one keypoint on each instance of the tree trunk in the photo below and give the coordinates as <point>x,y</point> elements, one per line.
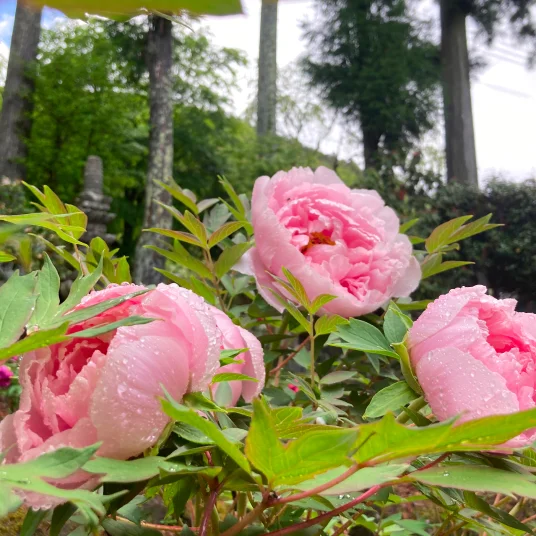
<point>459,131</point>
<point>371,142</point>
<point>15,117</point>
<point>267,90</point>
<point>159,59</point>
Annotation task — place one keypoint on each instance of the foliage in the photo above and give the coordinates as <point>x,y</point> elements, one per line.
<point>328,454</point>
<point>505,255</point>
<point>376,66</point>
<point>122,9</point>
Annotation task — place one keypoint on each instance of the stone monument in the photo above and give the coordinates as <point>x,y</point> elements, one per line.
<point>94,203</point>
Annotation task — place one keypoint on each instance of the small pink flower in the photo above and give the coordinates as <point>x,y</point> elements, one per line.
<point>106,388</point>
<point>475,356</point>
<point>334,239</point>
<point>293,387</point>
<point>5,376</point>
<point>233,338</point>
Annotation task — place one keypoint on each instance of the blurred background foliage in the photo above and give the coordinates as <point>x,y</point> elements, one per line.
<point>91,98</point>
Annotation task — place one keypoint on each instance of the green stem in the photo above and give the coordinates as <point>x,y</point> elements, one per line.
<point>215,522</point>
<point>241,505</point>
<point>416,405</point>
<point>312,319</point>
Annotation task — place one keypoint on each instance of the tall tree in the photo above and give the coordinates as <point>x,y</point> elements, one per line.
<point>160,166</point>
<point>374,64</point>
<point>459,130</point>
<point>267,79</point>
<point>15,121</point>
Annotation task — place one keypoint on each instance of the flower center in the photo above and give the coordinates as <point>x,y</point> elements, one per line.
<point>316,239</point>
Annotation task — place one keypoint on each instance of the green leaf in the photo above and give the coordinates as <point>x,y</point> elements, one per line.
<point>229,257</point>
<point>406,226</point>
<point>31,522</point>
<point>299,460</point>
<point>477,503</point>
<point>359,335</point>
<point>473,228</point>
<point>364,479</point>
<point>183,258</point>
<point>232,376</point>
<point>320,301</point>
<point>298,290</point>
<point>38,339</point>
<point>60,516</point>
<point>440,235</point>
<point>443,267</point>
<point>200,402</point>
<point>177,235</point>
<point>223,232</point>
<point>32,218</point>
<point>6,257</point>
<point>338,376</point>
<point>29,476</point>
<point>82,285</point>
<point>231,354</point>
<point>178,193</point>
<point>389,399</point>
<point>183,414</point>
<point>327,324</point>
<point>413,526</point>
<point>387,440</point>
<point>395,325</point>
<point>9,500</point>
<point>47,290</point>
<point>75,317</point>
<point>206,203</point>
<point>116,527</point>
<point>413,305</point>
<point>228,187</point>
<point>126,471</point>
<point>407,369</point>
<point>196,227</point>
<point>17,300</point>
<point>112,8</point>
<point>476,478</point>
<point>105,328</point>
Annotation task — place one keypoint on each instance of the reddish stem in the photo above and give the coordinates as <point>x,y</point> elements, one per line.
<point>319,489</point>
<point>289,357</point>
<point>209,506</point>
<point>328,515</point>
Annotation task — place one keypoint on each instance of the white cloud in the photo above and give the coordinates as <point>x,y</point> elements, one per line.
<point>6,24</point>
<point>503,93</point>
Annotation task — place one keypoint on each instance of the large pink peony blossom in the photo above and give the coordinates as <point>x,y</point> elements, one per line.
<point>106,388</point>
<point>235,337</point>
<point>475,356</point>
<point>334,239</point>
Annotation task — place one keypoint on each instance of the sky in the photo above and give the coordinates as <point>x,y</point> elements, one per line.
<point>503,92</point>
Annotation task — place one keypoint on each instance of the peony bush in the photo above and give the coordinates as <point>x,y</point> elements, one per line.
<point>283,380</point>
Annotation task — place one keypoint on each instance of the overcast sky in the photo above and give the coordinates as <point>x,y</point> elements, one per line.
<point>504,93</point>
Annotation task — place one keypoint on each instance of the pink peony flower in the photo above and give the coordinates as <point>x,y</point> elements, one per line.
<point>5,376</point>
<point>475,355</point>
<point>235,337</point>
<point>106,388</point>
<point>334,239</point>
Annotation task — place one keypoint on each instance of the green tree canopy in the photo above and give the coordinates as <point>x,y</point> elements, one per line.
<point>374,63</point>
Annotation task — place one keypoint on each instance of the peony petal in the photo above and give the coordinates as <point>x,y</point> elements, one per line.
<point>456,383</point>
<point>254,366</point>
<point>192,317</point>
<point>125,408</point>
<point>442,311</point>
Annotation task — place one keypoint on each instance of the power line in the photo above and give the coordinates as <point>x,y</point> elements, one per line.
<point>506,90</point>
